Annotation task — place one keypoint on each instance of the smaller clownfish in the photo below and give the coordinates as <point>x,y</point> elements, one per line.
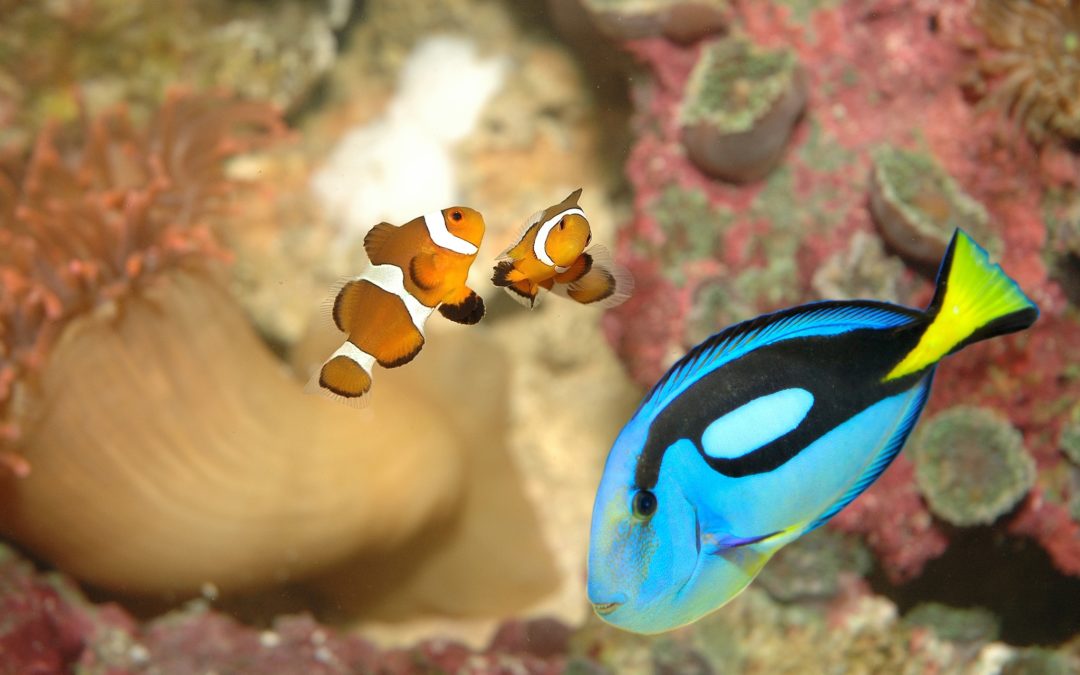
<point>414,269</point>
<point>550,254</point>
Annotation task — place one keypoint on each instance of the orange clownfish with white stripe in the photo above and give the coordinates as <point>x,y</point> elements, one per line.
<point>550,254</point>
<point>415,268</point>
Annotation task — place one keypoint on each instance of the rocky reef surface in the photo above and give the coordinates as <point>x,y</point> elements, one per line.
<point>50,627</point>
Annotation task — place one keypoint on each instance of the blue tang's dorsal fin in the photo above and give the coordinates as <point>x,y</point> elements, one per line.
<point>816,319</point>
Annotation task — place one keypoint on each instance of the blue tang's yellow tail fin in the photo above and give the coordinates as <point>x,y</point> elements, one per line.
<point>974,300</point>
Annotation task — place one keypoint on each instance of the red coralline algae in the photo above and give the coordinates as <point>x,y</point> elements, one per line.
<point>47,626</point>
<point>880,73</point>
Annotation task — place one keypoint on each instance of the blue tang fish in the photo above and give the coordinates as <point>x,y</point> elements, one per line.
<point>765,431</point>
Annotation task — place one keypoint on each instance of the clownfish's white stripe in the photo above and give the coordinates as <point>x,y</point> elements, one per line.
<point>391,279</point>
<point>436,227</point>
<point>354,353</point>
<point>540,243</point>
<point>756,423</point>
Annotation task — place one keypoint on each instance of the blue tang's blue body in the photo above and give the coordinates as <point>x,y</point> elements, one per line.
<point>765,431</point>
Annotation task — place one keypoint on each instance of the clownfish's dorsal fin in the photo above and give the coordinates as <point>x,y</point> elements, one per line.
<point>524,230</point>
<point>821,318</point>
<point>376,237</point>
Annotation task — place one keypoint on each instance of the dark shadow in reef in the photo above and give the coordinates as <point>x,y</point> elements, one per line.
<point>607,71</point>
<point>1012,577</point>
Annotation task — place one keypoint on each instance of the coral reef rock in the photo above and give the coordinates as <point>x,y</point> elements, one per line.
<point>56,56</point>
<point>679,20</point>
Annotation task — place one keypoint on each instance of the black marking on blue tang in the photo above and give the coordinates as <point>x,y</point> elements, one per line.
<point>844,372</point>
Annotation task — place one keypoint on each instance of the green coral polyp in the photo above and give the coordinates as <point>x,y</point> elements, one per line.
<point>926,193</point>
<point>917,205</point>
<point>1070,436</point>
<point>971,466</point>
<point>734,84</point>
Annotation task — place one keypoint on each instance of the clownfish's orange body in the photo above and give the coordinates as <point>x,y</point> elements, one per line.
<point>414,269</point>
<point>550,254</point>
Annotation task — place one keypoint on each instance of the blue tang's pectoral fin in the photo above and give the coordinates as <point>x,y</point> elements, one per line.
<point>719,544</point>
<point>885,457</point>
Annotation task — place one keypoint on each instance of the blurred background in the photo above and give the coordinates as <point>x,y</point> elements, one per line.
<point>181,182</point>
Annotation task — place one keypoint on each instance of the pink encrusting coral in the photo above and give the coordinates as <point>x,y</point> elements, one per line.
<point>884,73</point>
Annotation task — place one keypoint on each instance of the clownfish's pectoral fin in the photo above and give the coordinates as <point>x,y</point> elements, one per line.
<point>344,377</point>
<point>505,273</point>
<point>604,283</point>
<point>974,300</point>
<point>464,307</point>
<point>578,269</point>
<point>427,270</point>
<point>375,238</point>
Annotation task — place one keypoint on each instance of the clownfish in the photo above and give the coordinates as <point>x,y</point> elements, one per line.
<point>550,254</point>
<point>414,269</point>
<point>765,431</point>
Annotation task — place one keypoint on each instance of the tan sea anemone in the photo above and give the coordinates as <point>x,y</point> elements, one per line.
<point>152,442</point>
<point>1035,57</point>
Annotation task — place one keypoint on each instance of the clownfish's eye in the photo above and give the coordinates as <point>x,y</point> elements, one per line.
<point>644,504</point>
<point>456,215</point>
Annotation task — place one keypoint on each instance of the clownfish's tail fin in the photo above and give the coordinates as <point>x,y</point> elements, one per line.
<point>344,377</point>
<point>974,300</point>
<point>595,279</point>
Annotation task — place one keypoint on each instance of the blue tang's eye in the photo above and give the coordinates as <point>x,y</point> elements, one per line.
<point>644,504</point>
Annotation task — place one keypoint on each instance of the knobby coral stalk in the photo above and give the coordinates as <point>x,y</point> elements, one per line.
<point>167,448</point>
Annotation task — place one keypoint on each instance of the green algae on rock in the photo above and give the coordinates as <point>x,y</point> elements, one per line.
<point>971,465</point>
<point>862,270</point>
<point>693,229</point>
<point>956,624</point>
<point>681,21</point>
<point>1040,661</point>
<point>1070,436</point>
<point>57,57</point>
<point>740,107</point>
<point>917,205</point>
<point>811,567</point>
